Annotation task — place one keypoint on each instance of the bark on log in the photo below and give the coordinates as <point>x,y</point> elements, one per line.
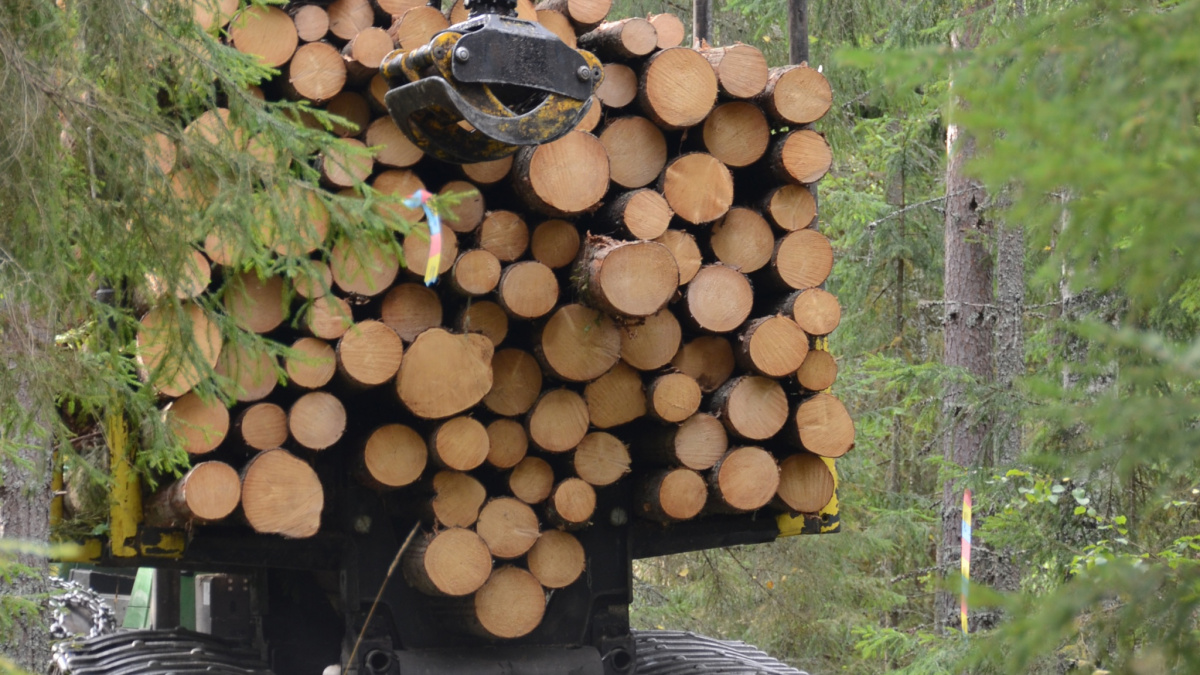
<point>823,426</point>
<point>818,371</point>
<point>796,95</point>
<point>454,562</point>
<point>719,299</point>
<point>571,504</point>
<point>707,359</point>
<point>751,407</point>
<point>262,426</point>
<point>686,251</point>
<point>558,420</point>
<point>528,290</point>
<point>531,480</point>
<point>745,479</point>
<point>698,187</point>
<point>507,443</point>
<point>281,495</point>
<point>622,39</point>
<point>199,425</point>
<point>579,344</point>
<point>394,455</point>
<point>673,397</point>
<point>485,318</point>
<point>444,374</point>
<point>673,495</point>
<point>504,234</point>
<point>678,88</point>
<point>790,207</point>
<point>411,309</point>
<point>208,492</point>
<point>475,273</point>
<point>316,73</point>
<point>652,344</point>
<point>637,151</point>
<point>509,526</point>
<point>557,559</point>
<point>805,484</point>
<point>265,32</point>
<point>601,459</point>
<point>773,346</point>
<point>741,69</point>
<point>743,240</point>
<point>458,498</point>
<point>317,420</point>
<point>564,177</point>
<point>516,383</point>
<point>637,214</point>
<point>736,133</point>
<point>630,279</point>
<point>555,243</point>
<point>802,157</point>
<point>696,443</point>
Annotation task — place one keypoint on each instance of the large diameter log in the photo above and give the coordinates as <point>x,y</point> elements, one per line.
<point>528,290</point>
<point>507,443</point>
<point>208,492</point>
<point>652,344</point>
<point>393,456</point>
<point>816,310</point>
<point>312,21</point>
<point>673,397</point>
<point>579,344</point>
<point>802,157</point>
<point>719,299</point>
<point>678,88</point>
<point>369,354</point>
<point>773,346</point>
<point>485,318</point>
<point>637,214</point>
<point>444,374</point>
<point>316,73</point>
<point>454,562</point>
<point>823,426</point>
<point>458,498</point>
<point>805,483</point>
<point>736,133</point>
<point>696,443</point>
<point>176,348</point>
<point>531,480</point>
<point>585,15</point>
<point>631,279</point>
<point>395,150</point>
<point>328,317</point>
<point>417,26</point>
<point>460,443</point>
<point>411,309</point>
<point>616,397</point>
<point>265,32</point>
<point>467,214</point>
<point>505,234</point>
<point>637,151</point>
<point>707,359</point>
<point>673,495</point>
<point>281,495</point>
<point>741,69</point>
<point>751,407</point>
<point>363,268</point>
<point>744,479</point>
<point>516,382</point>
<point>558,421</point>
<point>475,273</point>
<point>686,251</point>
<point>622,39</point>
<point>555,243</point>
<point>365,53</point>
<point>790,207</point>
<point>511,604</point>
<point>698,187</point>
<point>317,420</point>
<point>348,17</point>
<point>256,304</point>
<point>743,240</point>
<point>262,426</point>
<point>571,504</point>
<point>601,459</point>
<point>796,95</point>
<point>509,527</point>
<point>557,559</point>
<point>199,425</point>
<point>251,371</point>
<point>619,87</point>
<point>802,259</point>
<point>563,177</point>
<point>818,371</point>
<point>669,29</point>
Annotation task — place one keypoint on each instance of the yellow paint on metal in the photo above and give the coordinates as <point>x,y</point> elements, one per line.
<point>125,502</point>
<point>89,550</point>
<point>164,544</point>
<point>830,512</point>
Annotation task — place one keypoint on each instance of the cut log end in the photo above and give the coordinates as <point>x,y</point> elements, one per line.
<point>743,240</point>
<point>370,353</point>
<point>579,343</point>
<point>558,421</point>
<point>431,389</point>
<point>507,443</point>
<point>802,157</point>
<point>773,346</point>
<point>263,426</point>
<point>824,426</point>
<point>805,483</point>
<point>555,243</point>
<point>652,344</point>
<point>572,503</point>
<point>601,459</point>
<point>460,443</point>
<point>632,279</point>
<point>669,29</point>
<point>673,397</point>
<point>411,309</point>
<point>818,372</point>
<point>752,407</point>
<point>797,95</point>
<point>557,559</point>
<point>458,498</point>
<point>745,479</point>
<point>698,187</point>
<point>687,253</point>
<point>674,495</point>
<point>511,604</point>
<point>317,420</point>
<point>719,298</point>
<point>678,88</point>
<point>454,562</point>
<point>394,456</point>
<point>208,492</point>
<point>531,480</point>
<point>791,207</point>
<point>707,359</point>
<point>802,259</point>
<point>328,317</point>
<point>509,526</point>
<point>282,495</point>
<point>528,290</point>
<point>485,318</point>
<point>816,311</point>
<point>736,133</point>
<point>615,398</point>
<point>564,177</point>
<point>517,382</point>
<point>700,441</point>
<point>200,425</point>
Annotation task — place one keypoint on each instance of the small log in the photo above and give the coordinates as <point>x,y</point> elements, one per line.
<point>686,251</point>
<point>559,24</point>
<point>364,54</point>
<point>365,268</point>
<point>507,443</point>
<point>265,32</point>
<point>571,504</point>
<point>328,318</point>
<point>416,250</point>
<point>467,214</point>
<point>199,425</point>
<point>528,290</point>
<point>696,443</point>
<point>255,304</point>
<point>743,240</point>
<point>790,207</point>
<point>585,15</point>
<point>411,309</point>
<point>578,343</point>
<point>458,498</point>
<point>346,165</point>
<point>348,17</point>
<point>516,383</point>
<point>630,279</point>
<point>805,484</point>
<point>208,492</point>
<point>637,214</point>
<point>316,73</point>
<point>619,87</point>
<point>416,27</point>
<point>369,354</point>
<point>669,29</point>
<point>707,359</point>
<point>802,259</point>
<point>741,69</point>
<point>394,455</point>
<point>531,480</point>
<point>564,177</point>
<point>194,189</point>
<point>557,559</point>
<point>601,459</point>
<point>591,118</point>
<point>444,374</point>
<point>313,280</point>
<point>673,495</point>
<point>654,343</point>
<point>823,426</point>
<point>555,243</point>
<point>394,148</point>
<point>351,106</point>
<point>176,349</point>
<point>505,234</point>
<point>194,280</point>
<point>490,172</point>
<point>622,39</point>
<point>475,273</point>
<point>816,310</point>
<point>454,562</point>
<point>262,426</point>
<point>486,318</point>
<point>161,152</point>
<point>678,88</point>
<point>637,151</point>
<point>615,398</point>
<point>460,443</point>
<point>818,371</point>
<point>401,184</point>
<point>736,133</point>
<point>673,397</point>
<point>312,21</point>
<point>802,157</point>
<point>751,407</point>
<point>796,95</point>
<point>213,14</point>
<point>317,420</point>
<point>302,225</point>
<point>281,495</point>
<point>251,371</point>
<point>510,605</point>
<point>745,479</point>
<point>509,527</point>
<point>773,346</point>
<point>698,187</point>
<point>558,420</point>
<point>719,299</point>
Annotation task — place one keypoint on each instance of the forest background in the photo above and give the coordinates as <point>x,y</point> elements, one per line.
<point>1021,320</point>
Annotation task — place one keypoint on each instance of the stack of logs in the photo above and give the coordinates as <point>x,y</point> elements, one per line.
<point>637,301</point>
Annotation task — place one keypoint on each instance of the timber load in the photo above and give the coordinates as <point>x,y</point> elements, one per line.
<point>637,305</point>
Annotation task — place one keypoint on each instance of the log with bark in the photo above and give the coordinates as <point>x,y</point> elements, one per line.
<point>208,492</point>
<point>630,279</point>
<point>453,562</point>
<point>672,495</point>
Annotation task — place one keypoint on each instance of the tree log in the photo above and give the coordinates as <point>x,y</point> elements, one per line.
<point>210,14</point>
<point>678,88</point>
<point>196,275</point>
<point>328,317</point>
<point>505,234</point>
<point>743,240</point>
<point>255,304</point>
<point>369,354</point>
<point>802,259</point>
<point>571,504</point>
<point>357,112</point>
<point>416,250</point>
<point>348,17</point>
<point>615,398</point>
<point>564,177</point>
<point>394,455</point>
<point>365,268</point>
<point>454,562</point>
<point>818,371</point>
<point>364,54</point>
<point>579,344</point>
<point>444,374</point>
<point>696,443</point>
<point>744,479</point>
<point>316,73</point>
<point>619,86</point>
<point>175,349</point>
<point>475,273</point>
<point>591,118</point>
<point>585,15</point>
<point>262,426</point>
<point>557,559</point>
<point>312,22</point>
<point>801,157</point>
<point>395,150</point>
<point>736,133</point>
<point>459,13</point>
<point>467,214</point>
<point>317,420</point>
<point>558,420</point>
<point>751,407</point>
<point>601,459</point>
<point>507,443</point>
<point>411,309</point>
<point>486,318</point>
<point>687,253</point>
<point>395,8</point>
<point>719,299</point>
<point>531,480</point>
<point>460,443</point>
<point>637,151</point>
<point>510,605</point>
<point>741,69</point>
<point>251,371</point>
<point>652,344</point>
<point>401,184</point>
<point>313,282</point>
<point>281,495</point>
<point>559,24</point>
<point>630,279</point>
<point>815,310</point>
<point>509,527</point>
<point>773,346</point>
<point>669,29</point>
<point>199,425</point>
<point>698,187</point>
<point>458,499</point>
<point>265,32</point>
<point>673,495</point>
<point>347,165</point>
<point>528,290</point>
<point>555,243</point>
<point>707,359</point>
<point>637,214</point>
<point>805,484</point>
<point>208,492</point>
<point>823,426</point>
<point>673,397</point>
<point>516,383</point>
<point>490,172</point>
<point>790,207</point>
<point>622,39</point>
<point>796,95</point>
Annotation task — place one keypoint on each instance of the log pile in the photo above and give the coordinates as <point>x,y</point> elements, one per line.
<point>637,304</point>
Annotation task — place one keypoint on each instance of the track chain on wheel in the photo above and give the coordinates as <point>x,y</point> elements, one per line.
<point>154,652</point>
<point>669,652</point>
